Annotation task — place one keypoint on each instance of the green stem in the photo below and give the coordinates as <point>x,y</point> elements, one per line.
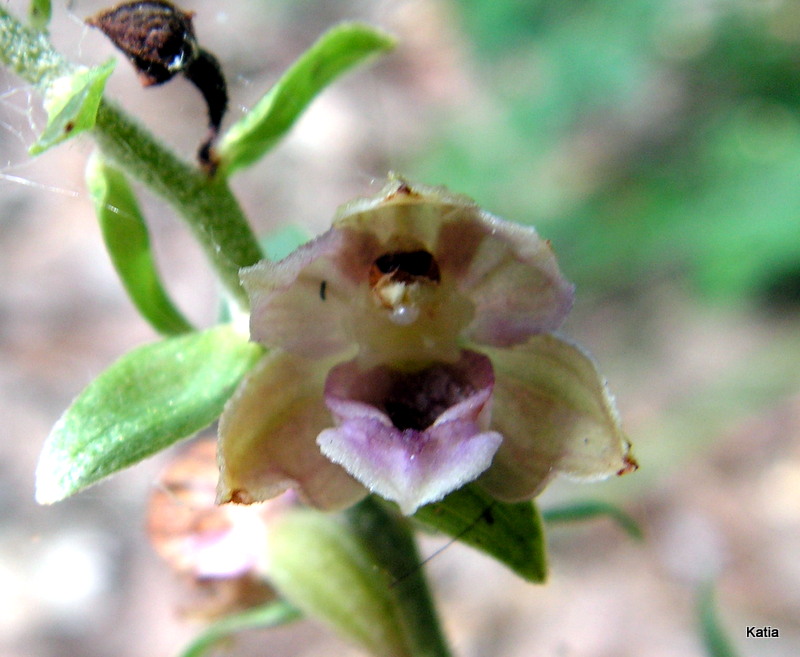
<point>29,54</point>
<point>206,204</point>
<point>389,539</point>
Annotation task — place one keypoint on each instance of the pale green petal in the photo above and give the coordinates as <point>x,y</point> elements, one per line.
<point>556,415</point>
<point>268,437</point>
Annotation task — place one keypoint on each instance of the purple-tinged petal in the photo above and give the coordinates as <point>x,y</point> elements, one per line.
<point>268,432</point>
<point>302,304</point>
<point>410,467</point>
<point>556,415</point>
<point>412,437</point>
<point>510,275</point>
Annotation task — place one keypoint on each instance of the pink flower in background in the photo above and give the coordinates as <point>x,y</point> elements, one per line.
<point>410,353</point>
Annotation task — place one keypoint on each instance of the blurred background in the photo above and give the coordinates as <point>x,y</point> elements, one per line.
<point>655,142</point>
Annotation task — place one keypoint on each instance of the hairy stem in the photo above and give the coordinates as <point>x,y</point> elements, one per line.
<point>206,203</point>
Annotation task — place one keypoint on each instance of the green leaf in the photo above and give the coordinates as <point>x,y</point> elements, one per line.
<point>71,102</point>
<point>337,50</point>
<point>39,14</point>
<point>147,400</point>
<point>271,615</point>
<point>128,243</point>
<point>511,533</point>
<point>715,639</point>
<point>579,511</point>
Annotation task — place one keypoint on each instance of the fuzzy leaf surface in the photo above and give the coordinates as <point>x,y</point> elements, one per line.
<point>147,400</point>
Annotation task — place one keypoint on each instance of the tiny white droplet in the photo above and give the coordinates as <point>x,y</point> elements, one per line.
<point>404,315</point>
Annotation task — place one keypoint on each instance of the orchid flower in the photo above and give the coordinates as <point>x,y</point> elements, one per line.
<point>411,351</point>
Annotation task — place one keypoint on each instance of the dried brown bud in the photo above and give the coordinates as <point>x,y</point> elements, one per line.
<point>159,40</point>
<point>156,36</point>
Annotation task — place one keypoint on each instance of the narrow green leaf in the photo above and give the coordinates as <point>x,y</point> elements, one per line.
<point>39,13</point>
<point>586,510</point>
<point>715,639</point>
<point>71,102</point>
<point>271,615</point>
<point>511,533</point>
<point>128,243</point>
<point>337,50</point>
<point>147,400</point>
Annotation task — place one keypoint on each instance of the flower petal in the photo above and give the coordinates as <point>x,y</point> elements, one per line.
<point>412,437</point>
<point>556,415</point>
<point>267,437</point>
<point>410,467</point>
<point>506,271</point>
<point>488,280</point>
<point>509,273</point>
<point>312,287</point>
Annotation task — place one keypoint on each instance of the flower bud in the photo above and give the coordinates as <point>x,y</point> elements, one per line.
<point>319,565</point>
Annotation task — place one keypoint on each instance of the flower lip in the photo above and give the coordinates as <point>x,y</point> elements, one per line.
<point>412,398</point>
<point>411,434</point>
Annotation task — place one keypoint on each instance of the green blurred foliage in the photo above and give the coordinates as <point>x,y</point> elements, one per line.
<point>646,138</point>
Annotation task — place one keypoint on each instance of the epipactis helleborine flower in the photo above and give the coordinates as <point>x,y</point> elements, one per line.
<point>412,353</point>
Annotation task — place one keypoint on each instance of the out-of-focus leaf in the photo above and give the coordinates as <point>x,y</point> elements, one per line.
<point>281,242</point>
<point>715,639</point>
<point>271,615</point>
<point>510,533</point>
<point>580,511</point>
<point>126,237</point>
<point>71,102</point>
<point>147,400</point>
<point>39,13</point>
<point>337,50</point>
